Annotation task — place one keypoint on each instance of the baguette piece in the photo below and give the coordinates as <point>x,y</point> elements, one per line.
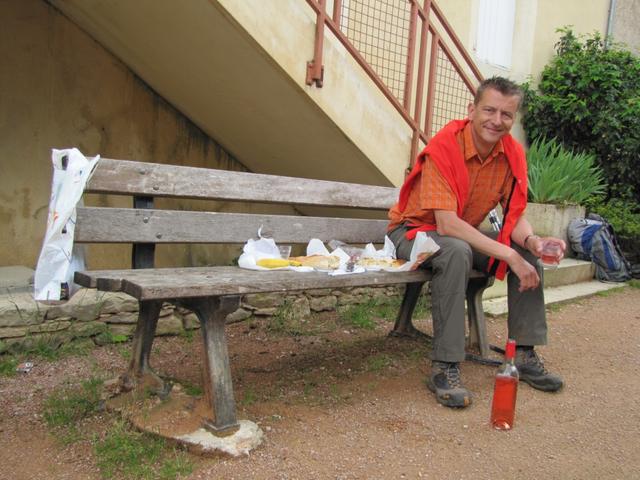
<point>321,262</point>
<point>380,262</point>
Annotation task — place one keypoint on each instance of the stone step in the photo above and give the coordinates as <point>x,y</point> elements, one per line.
<point>554,294</point>
<point>569,271</point>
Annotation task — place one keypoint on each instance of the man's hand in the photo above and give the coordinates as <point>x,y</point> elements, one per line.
<point>526,273</point>
<point>449,224</point>
<point>534,245</point>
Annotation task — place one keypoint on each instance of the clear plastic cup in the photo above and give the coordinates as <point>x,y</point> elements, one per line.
<point>285,251</point>
<point>551,252</point>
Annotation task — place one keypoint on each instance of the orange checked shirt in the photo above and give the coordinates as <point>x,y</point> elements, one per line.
<point>489,184</point>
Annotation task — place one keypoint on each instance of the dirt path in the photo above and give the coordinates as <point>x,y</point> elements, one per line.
<point>347,403</point>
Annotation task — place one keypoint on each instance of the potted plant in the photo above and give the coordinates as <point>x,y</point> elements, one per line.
<point>560,182</point>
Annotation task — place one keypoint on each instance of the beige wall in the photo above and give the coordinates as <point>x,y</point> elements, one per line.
<point>625,24</point>
<point>535,29</point>
<point>59,89</point>
<point>534,34</point>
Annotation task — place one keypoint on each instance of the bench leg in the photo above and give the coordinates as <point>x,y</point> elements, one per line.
<point>404,325</point>
<point>475,314</point>
<point>139,372</point>
<point>212,313</point>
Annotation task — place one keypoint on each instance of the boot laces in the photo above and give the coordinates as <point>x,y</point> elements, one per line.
<point>532,358</point>
<point>452,372</point>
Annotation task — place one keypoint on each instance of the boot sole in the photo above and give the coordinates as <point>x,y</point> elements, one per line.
<point>540,386</point>
<point>447,400</point>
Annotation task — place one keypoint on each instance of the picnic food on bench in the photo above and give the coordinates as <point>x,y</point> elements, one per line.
<point>277,263</point>
<point>380,262</point>
<point>323,262</point>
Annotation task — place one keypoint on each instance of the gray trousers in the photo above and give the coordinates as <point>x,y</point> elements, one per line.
<point>451,267</point>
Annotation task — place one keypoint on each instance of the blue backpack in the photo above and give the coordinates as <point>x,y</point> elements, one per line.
<point>593,239</point>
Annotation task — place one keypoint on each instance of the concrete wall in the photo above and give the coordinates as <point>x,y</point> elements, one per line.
<point>58,89</point>
<point>625,24</point>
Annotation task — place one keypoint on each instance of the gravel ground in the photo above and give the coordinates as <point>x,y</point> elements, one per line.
<point>347,403</point>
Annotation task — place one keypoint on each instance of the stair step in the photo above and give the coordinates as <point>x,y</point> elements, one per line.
<point>562,293</point>
<point>569,271</point>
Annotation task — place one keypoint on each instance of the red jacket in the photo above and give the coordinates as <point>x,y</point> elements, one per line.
<point>443,149</point>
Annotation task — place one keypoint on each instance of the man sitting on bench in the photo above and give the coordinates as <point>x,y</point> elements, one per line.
<point>461,175</point>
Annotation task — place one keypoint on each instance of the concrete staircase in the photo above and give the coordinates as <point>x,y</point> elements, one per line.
<point>572,279</point>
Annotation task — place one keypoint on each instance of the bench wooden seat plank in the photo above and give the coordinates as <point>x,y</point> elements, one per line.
<point>175,283</point>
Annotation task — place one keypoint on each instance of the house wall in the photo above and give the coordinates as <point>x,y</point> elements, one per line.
<point>535,30</point>
<point>624,28</point>
<point>60,89</point>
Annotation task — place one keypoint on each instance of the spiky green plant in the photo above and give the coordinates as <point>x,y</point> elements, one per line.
<point>562,176</point>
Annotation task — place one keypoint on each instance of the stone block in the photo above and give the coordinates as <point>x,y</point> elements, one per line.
<point>122,329</point>
<point>84,306</point>
<point>325,303</point>
<point>18,309</point>
<point>265,312</point>
<point>169,325</point>
<point>51,326</point>
<point>348,299</point>
<point>13,332</point>
<point>263,300</point>
<point>318,293</point>
<point>122,317</point>
<point>116,302</point>
<point>239,315</point>
<point>87,329</point>
<point>299,307</point>
<point>190,320</point>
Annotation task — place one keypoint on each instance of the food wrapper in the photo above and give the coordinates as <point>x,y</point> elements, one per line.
<point>255,250</point>
<point>423,247</point>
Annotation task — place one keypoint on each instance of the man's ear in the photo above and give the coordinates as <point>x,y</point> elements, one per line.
<point>470,109</point>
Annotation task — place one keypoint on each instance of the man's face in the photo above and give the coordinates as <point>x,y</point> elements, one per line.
<point>492,118</point>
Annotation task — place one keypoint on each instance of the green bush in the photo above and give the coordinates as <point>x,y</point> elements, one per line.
<point>624,216</point>
<point>588,98</point>
<point>558,175</point>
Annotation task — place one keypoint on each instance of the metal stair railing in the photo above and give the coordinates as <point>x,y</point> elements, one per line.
<point>438,80</point>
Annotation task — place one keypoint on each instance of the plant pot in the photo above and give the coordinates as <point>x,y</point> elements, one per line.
<point>550,220</point>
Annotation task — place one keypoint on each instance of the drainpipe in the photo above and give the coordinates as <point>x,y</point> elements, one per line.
<point>612,12</point>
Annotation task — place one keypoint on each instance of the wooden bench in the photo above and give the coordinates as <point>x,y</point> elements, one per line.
<point>213,292</point>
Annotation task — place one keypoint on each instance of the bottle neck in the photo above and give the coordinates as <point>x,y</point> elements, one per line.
<point>510,351</point>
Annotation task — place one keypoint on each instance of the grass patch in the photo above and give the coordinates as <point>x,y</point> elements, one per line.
<point>634,283</point>
<point>360,315</point>
<point>129,454</point>
<point>44,347</point>
<point>249,397</point>
<point>192,389</point>
<point>611,291</point>
<point>66,407</point>
<point>379,362</point>
<point>107,337</point>
<point>8,364</point>
<point>284,321</point>
<point>363,315</point>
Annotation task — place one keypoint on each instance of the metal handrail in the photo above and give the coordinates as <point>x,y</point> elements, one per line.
<point>445,53</point>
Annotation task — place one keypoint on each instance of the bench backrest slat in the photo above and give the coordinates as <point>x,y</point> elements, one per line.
<point>124,225</point>
<point>158,180</point>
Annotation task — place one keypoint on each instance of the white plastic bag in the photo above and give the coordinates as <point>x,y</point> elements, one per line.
<point>59,258</point>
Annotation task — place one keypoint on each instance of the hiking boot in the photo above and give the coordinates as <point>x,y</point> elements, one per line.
<point>446,383</point>
<point>531,369</point>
